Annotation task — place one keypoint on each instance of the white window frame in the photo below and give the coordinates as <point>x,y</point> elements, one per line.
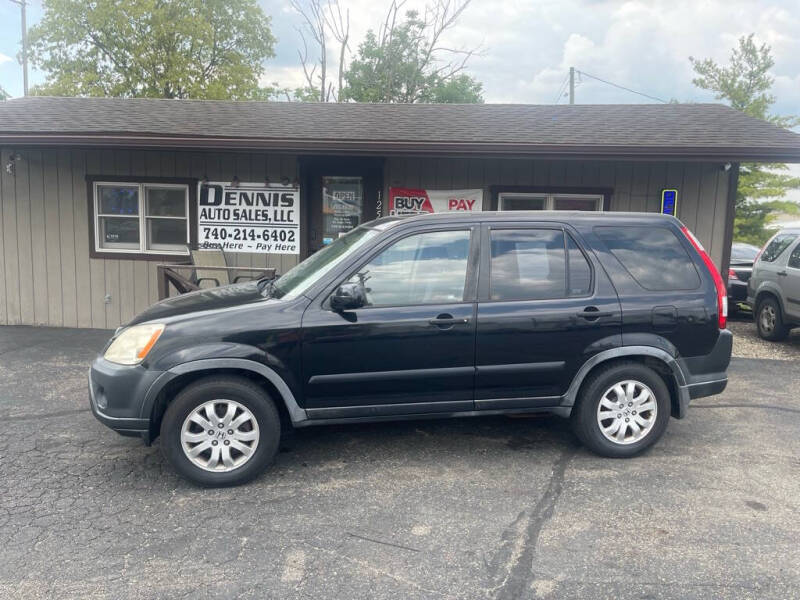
<point>142,216</point>
<point>549,199</point>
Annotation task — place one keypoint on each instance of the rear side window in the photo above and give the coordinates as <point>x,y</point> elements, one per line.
<point>537,264</point>
<point>776,247</point>
<point>794,257</point>
<point>654,256</point>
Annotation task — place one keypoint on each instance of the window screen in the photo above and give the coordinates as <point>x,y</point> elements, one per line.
<point>426,268</point>
<point>776,247</point>
<point>654,256</point>
<point>136,218</point>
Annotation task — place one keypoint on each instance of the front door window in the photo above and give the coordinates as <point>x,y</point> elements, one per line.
<point>342,206</point>
<point>426,268</point>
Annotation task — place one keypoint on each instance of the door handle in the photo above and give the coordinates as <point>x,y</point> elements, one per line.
<point>448,321</point>
<point>782,273</point>
<point>591,313</point>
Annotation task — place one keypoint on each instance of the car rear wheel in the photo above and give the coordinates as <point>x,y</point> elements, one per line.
<point>622,410</point>
<point>769,321</point>
<point>221,431</point>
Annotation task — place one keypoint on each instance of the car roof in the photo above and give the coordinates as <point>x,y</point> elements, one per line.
<point>556,216</point>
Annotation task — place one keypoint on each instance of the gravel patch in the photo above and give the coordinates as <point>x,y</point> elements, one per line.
<point>747,344</point>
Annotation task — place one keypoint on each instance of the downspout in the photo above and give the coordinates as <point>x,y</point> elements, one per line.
<point>733,185</point>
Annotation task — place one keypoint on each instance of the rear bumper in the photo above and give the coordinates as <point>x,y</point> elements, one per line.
<point>705,375</point>
<point>737,291</point>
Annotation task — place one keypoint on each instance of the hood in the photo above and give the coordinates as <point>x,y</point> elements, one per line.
<point>201,300</point>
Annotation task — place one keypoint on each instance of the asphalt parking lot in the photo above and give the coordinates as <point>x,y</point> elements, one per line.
<point>470,508</point>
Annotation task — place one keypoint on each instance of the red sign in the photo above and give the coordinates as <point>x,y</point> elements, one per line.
<point>410,201</point>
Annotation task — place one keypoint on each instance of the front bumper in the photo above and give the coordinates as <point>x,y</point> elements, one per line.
<point>116,396</point>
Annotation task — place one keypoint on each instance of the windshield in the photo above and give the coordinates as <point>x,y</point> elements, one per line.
<point>301,277</point>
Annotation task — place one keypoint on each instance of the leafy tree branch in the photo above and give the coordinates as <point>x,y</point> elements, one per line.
<point>745,83</point>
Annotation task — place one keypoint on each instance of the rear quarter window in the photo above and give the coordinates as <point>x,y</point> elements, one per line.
<point>654,256</point>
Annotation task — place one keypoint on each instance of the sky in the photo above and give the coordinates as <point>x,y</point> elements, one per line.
<point>528,46</point>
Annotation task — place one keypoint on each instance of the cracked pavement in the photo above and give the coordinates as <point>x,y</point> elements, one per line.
<point>489,507</point>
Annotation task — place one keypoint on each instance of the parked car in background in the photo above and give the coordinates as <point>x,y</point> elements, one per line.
<point>774,287</point>
<point>614,320</point>
<point>742,257</point>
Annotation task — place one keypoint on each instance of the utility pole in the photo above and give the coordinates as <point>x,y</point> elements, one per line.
<point>571,85</point>
<point>22,5</point>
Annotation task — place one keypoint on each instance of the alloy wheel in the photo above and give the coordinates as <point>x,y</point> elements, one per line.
<point>768,317</point>
<point>627,412</point>
<point>219,436</point>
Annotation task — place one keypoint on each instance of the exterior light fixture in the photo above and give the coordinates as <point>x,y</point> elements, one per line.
<point>11,165</point>
<point>235,181</point>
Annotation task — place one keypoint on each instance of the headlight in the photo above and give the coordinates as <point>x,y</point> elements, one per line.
<point>133,344</point>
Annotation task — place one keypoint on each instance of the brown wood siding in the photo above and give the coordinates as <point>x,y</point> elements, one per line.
<point>702,187</point>
<point>46,274</point>
<point>48,278</point>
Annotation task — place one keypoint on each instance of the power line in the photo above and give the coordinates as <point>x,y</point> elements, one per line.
<point>622,87</point>
<point>561,89</point>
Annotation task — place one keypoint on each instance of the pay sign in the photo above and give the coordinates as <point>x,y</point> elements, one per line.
<point>409,201</point>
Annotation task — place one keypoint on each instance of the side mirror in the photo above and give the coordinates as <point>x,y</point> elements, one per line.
<point>348,296</point>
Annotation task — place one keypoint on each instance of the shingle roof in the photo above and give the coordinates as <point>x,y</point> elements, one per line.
<point>685,130</point>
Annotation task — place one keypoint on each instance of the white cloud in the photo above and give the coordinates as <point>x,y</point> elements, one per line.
<point>641,44</point>
<point>4,58</point>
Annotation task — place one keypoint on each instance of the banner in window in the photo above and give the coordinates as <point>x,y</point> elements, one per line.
<point>409,201</point>
<point>249,217</point>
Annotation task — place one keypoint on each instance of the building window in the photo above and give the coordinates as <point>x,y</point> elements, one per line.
<point>141,218</point>
<point>542,201</point>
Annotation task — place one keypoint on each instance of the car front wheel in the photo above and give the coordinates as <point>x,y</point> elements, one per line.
<point>622,410</point>
<point>221,431</point>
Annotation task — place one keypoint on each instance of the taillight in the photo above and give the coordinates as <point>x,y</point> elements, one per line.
<point>722,293</point>
<point>732,274</point>
<point>764,247</point>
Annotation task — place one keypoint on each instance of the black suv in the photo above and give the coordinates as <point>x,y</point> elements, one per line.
<point>614,320</point>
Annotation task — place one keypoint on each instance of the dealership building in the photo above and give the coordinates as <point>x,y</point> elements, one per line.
<point>96,192</point>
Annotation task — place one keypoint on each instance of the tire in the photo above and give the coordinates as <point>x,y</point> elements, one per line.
<point>600,388</point>
<point>769,320</point>
<point>239,450</point>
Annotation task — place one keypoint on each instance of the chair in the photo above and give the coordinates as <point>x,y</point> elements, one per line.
<point>214,258</point>
<point>207,265</point>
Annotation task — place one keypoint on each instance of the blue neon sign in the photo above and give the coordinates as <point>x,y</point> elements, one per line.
<point>669,202</point>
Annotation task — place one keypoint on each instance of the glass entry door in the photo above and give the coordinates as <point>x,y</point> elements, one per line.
<point>341,193</point>
<point>342,205</point>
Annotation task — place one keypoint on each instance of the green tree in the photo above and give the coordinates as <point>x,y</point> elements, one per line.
<point>210,49</point>
<point>4,95</point>
<point>745,84</point>
<point>405,61</point>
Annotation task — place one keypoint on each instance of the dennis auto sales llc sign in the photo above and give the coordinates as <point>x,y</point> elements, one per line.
<point>249,217</point>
